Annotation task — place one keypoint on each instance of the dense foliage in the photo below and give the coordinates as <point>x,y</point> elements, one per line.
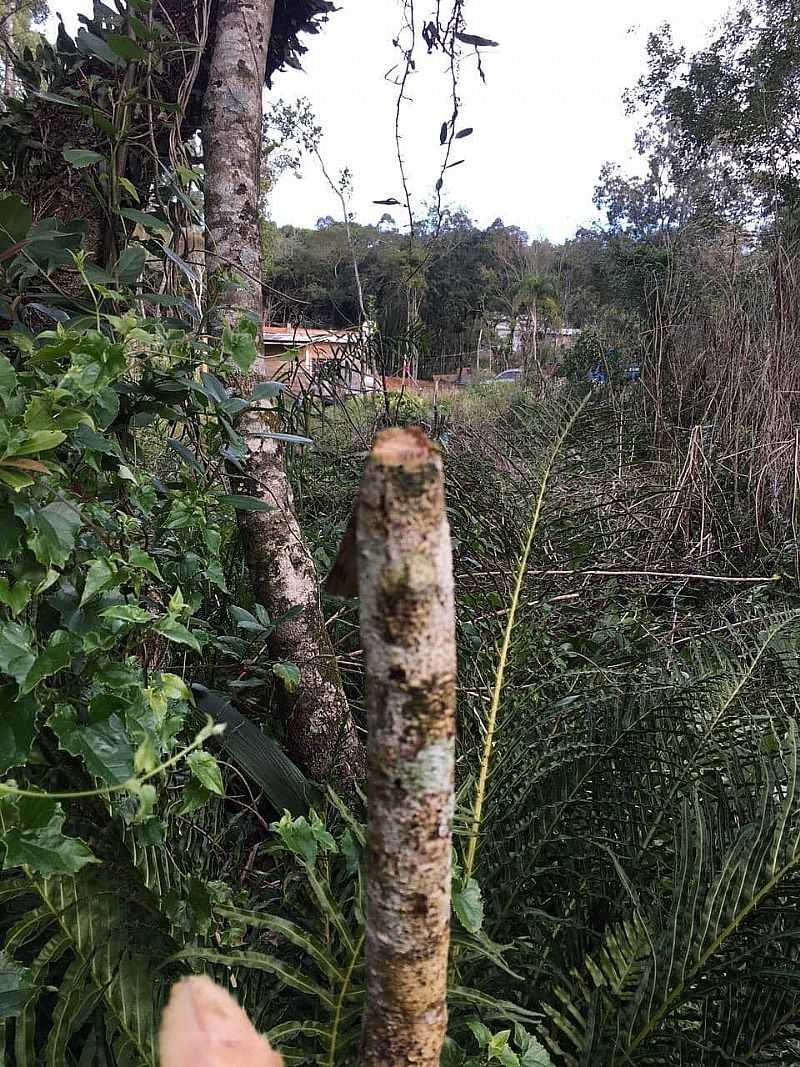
<point>626,870</point>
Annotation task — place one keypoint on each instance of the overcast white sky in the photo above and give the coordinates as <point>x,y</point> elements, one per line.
<point>549,116</point>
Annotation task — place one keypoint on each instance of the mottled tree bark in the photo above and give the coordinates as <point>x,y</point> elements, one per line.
<point>408,631</point>
<point>320,730</point>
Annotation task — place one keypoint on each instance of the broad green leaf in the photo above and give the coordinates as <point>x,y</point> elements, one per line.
<point>245,503</point>
<point>16,655</point>
<point>17,727</point>
<point>481,1033</point>
<point>103,745</point>
<point>129,187</point>
<point>240,344</point>
<point>56,527</point>
<point>99,575</point>
<point>55,657</point>
<point>150,222</point>
<point>267,391</point>
<point>213,388</point>
<point>127,613</point>
<point>288,673</point>
<point>17,596</point>
<point>532,1052</point>
<point>451,1055</point>
<point>15,480</point>
<point>131,264</point>
<point>304,838</point>
<point>16,987</point>
<point>15,220</point>
<point>8,379</point>
<point>35,839</point>
<point>175,631</point>
<point>11,530</point>
<point>144,562</point>
<point>92,45</point>
<point>88,438</point>
<point>206,769</point>
<point>39,441</point>
<point>245,620</point>
<point>468,905</point>
<point>195,796</point>
<point>124,47</point>
<point>174,688</point>
<point>81,157</point>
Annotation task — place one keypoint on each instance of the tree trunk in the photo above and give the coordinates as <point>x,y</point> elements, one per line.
<point>408,632</point>
<point>320,731</point>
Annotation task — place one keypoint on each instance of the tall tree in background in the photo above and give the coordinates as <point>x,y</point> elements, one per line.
<point>320,729</point>
<point>16,19</point>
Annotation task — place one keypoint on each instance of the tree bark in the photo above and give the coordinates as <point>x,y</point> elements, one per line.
<point>320,730</point>
<point>408,631</point>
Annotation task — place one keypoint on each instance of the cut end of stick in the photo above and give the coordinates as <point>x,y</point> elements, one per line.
<point>404,447</point>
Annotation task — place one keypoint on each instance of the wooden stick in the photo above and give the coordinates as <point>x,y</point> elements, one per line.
<point>408,633</point>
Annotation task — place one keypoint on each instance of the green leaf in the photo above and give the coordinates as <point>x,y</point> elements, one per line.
<point>16,596</point>
<point>482,1034</point>
<point>10,533</point>
<point>8,378</point>
<point>267,391</point>
<point>150,222</point>
<point>507,1057</point>
<point>81,157</point>
<point>57,527</point>
<point>124,47</point>
<point>14,480</point>
<point>103,746</point>
<point>451,1055</point>
<point>245,620</point>
<point>206,769</point>
<point>468,906</point>
<point>15,220</point>
<point>175,631</point>
<point>245,503</point>
<point>304,838</point>
<point>88,438</point>
<point>100,575</point>
<point>131,264</point>
<point>17,727</point>
<point>127,613</point>
<point>213,388</point>
<point>532,1052</point>
<point>39,441</point>
<point>174,688</point>
<point>36,841</point>
<point>16,987</point>
<point>288,673</point>
<point>16,655</point>
<point>56,657</point>
<point>240,344</point>
<point>194,796</point>
<point>89,44</point>
<point>143,562</point>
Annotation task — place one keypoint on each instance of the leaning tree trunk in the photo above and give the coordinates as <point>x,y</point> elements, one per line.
<point>320,730</point>
<point>405,580</point>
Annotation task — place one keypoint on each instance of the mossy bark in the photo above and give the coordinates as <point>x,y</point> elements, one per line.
<point>320,731</point>
<point>408,632</point>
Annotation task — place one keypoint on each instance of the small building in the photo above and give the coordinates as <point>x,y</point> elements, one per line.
<point>330,362</point>
<point>562,338</point>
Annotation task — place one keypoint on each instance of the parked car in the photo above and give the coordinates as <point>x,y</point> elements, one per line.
<point>512,376</point>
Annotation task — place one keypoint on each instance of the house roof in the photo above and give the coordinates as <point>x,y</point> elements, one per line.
<point>304,335</point>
